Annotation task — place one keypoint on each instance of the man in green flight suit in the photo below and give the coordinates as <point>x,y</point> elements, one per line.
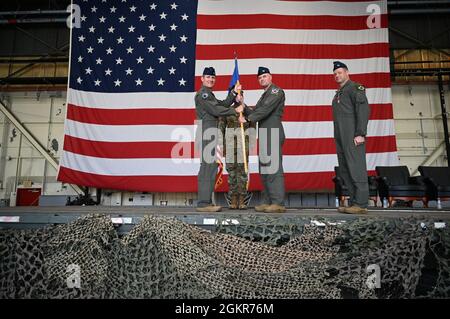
<point>208,109</point>
<point>351,115</point>
<point>268,112</point>
<point>231,142</point>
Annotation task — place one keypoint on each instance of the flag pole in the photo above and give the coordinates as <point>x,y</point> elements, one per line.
<point>244,153</point>
<point>242,126</point>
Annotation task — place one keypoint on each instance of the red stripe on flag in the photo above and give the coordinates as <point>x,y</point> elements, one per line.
<point>130,183</point>
<point>293,181</point>
<point>302,81</point>
<point>274,21</point>
<point>128,149</point>
<point>311,146</point>
<point>117,150</point>
<point>292,113</point>
<point>179,183</point>
<point>130,116</point>
<point>292,51</point>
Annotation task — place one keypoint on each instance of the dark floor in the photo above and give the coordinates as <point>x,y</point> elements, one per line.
<point>378,212</point>
<point>41,216</point>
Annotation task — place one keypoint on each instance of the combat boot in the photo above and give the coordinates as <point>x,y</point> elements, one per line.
<point>234,202</point>
<point>355,210</point>
<point>242,202</point>
<point>275,209</point>
<point>261,208</point>
<point>209,209</point>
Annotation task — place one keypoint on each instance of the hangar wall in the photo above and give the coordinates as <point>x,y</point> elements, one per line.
<point>418,126</point>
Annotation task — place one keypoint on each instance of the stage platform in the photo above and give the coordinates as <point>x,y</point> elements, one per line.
<point>126,218</point>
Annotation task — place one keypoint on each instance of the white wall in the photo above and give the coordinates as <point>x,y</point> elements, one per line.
<point>43,115</point>
<point>416,110</point>
<point>418,123</point>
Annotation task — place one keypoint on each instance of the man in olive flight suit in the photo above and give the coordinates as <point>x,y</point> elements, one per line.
<point>351,115</point>
<point>208,109</point>
<point>268,112</point>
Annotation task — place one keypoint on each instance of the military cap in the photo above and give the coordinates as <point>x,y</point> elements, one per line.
<point>339,64</point>
<point>209,71</point>
<point>262,70</point>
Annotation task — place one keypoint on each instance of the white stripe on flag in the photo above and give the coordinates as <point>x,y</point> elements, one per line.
<point>140,100</point>
<point>300,8</point>
<point>186,100</point>
<point>252,36</point>
<point>185,133</point>
<point>294,66</point>
<point>326,129</point>
<point>190,167</point>
<point>130,133</point>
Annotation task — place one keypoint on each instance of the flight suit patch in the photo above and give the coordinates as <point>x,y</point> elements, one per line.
<point>204,96</point>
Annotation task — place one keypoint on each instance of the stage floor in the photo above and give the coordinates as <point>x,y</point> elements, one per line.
<point>125,217</point>
<point>167,210</point>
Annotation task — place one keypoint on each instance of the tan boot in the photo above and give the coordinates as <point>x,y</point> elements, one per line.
<point>242,202</point>
<point>275,209</point>
<point>355,210</point>
<point>261,208</point>
<point>234,202</point>
<point>341,209</point>
<point>209,209</point>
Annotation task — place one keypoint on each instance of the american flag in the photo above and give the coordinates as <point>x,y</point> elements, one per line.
<point>135,67</point>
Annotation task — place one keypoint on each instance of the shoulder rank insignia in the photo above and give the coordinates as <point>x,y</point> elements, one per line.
<point>275,91</point>
<point>204,96</point>
<point>361,88</point>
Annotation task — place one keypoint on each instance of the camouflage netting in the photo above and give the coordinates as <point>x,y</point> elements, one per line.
<point>261,257</point>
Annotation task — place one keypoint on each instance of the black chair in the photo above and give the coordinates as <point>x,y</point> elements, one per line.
<point>395,183</point>
<point>341,190</point>
<point>437,181</point>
